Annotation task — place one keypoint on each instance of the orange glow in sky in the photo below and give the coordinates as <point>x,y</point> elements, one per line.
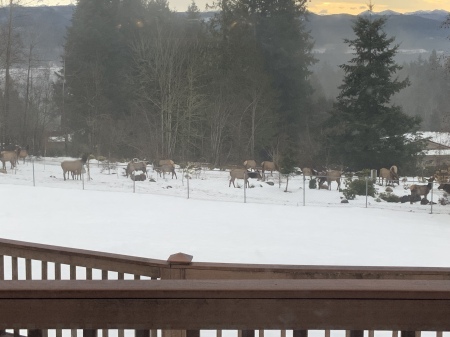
<point>324,7</point>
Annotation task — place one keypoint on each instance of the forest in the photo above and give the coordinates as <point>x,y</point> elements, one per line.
<point>139,80</point>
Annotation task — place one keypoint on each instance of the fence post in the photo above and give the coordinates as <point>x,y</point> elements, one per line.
<point>304,190</point>
<point>431,201</point>
<point>82,179</point>
<point>245,186</point>
<point>34,180</point>
<point>134,184</point>
<point>367,189</point>
<point>187,182</point>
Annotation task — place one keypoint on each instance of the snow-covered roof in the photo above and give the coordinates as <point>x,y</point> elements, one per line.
<point>437,137</point>
<point>437,152</point>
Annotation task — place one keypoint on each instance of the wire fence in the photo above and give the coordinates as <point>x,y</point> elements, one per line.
<point>203,183</point>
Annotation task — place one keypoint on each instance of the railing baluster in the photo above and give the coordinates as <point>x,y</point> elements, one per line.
<point>28,270</point>
<point>120,276</point>
<point>15,268</point>
<point>57,271</point>
<point>356,333</point>
<point>438,333</point>
<point>371,333</point>
<point>105,332</point>
<point>192,333</point>
<point>137,277</point>
<point>89,332</point>
<point>408,334</point>
<point>88,273</point>
<point>73,272</point>
<point>2,267</point>
<point>298,333</point>
<point>218,333</point>
<point>247,333</point>
<point>283,333</point>
<point>58,277</point>
<point>44,270</point>
<point>327,333</point>
<point>35,333</point>
<point>394,333</point>
<point>261,333</point>
<point>142,333</point>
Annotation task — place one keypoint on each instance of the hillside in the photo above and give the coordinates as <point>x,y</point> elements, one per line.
<point>417,33</point>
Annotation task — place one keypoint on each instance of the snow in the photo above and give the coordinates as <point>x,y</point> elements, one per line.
<point>214,224</point>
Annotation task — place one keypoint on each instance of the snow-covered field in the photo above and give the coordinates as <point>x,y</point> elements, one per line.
<point>214,224</point>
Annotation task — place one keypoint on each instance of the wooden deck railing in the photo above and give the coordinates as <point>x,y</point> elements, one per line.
<point>191,296</point>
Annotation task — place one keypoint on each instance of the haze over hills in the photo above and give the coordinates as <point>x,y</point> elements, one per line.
<point>417,33</point>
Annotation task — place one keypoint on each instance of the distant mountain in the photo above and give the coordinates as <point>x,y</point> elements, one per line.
<point>417,34</point>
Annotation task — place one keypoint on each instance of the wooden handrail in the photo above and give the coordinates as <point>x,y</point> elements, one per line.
<point>232,304</point>
<point>201,270</point>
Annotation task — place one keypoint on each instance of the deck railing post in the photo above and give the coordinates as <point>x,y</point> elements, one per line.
<point>300,333</point>
<point>248,333</point>
<point>89,332</point>
<point>142,333</point>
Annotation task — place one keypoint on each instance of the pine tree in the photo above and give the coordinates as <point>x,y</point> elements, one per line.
<point>365,129</point>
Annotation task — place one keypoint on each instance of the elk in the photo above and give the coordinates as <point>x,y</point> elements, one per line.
<point>73,166</point>
<point>390,175</point>
<point>329,177</point>
<point>268,166</point>
<point>133,166</point>
<point>10,156</point>
<point>22,153</point>
<point>308,172</point>
<point>418,190</point>
<point>163,169</point>
<point>238,174</point>
<point>250,164</point>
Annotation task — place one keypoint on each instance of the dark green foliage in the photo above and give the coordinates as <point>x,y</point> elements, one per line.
<point>365,129</point>
<point>390,197</point>
<point>358,187</point>
<point>313,184</point>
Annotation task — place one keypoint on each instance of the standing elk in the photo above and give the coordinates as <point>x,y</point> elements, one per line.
<point>23,153</point>
<point>10,156</point>
<point>268,166</point>
<point>243,174</point>
<point>250,164</point>
<point>330,176</point>
<point>391,175</point>
<point>163,169</point>
<point>73,166</point>
<point>418,190</point>
<point>133,166</point>
<point>308,172</point>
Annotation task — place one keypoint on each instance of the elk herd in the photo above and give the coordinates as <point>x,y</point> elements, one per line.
<point>13,156</point>
<point>137,170</point>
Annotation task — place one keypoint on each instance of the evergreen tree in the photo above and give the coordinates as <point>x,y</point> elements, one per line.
<point>365,129</point>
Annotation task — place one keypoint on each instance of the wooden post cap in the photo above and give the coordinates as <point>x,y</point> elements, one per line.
<point>180,258</point>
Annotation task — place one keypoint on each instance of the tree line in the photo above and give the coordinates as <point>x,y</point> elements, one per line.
<point>139,80</point>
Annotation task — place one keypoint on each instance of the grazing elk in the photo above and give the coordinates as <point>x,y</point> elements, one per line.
<point>268,166</point>
<point>166,162</point>
<point>308,172</point>
<point>10,156</point>
<point>163,169</point>
<point>330,176</point>
<point>23,153</point>
<point>250,164</point>
<point>73,166</point>
<point>391,175</point>
<point>418,190</point>
<point>133,166</point>
<point>243,174</point>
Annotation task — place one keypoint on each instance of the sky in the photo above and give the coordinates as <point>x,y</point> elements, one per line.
<point>326,7</point>
<point>214,225</point>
